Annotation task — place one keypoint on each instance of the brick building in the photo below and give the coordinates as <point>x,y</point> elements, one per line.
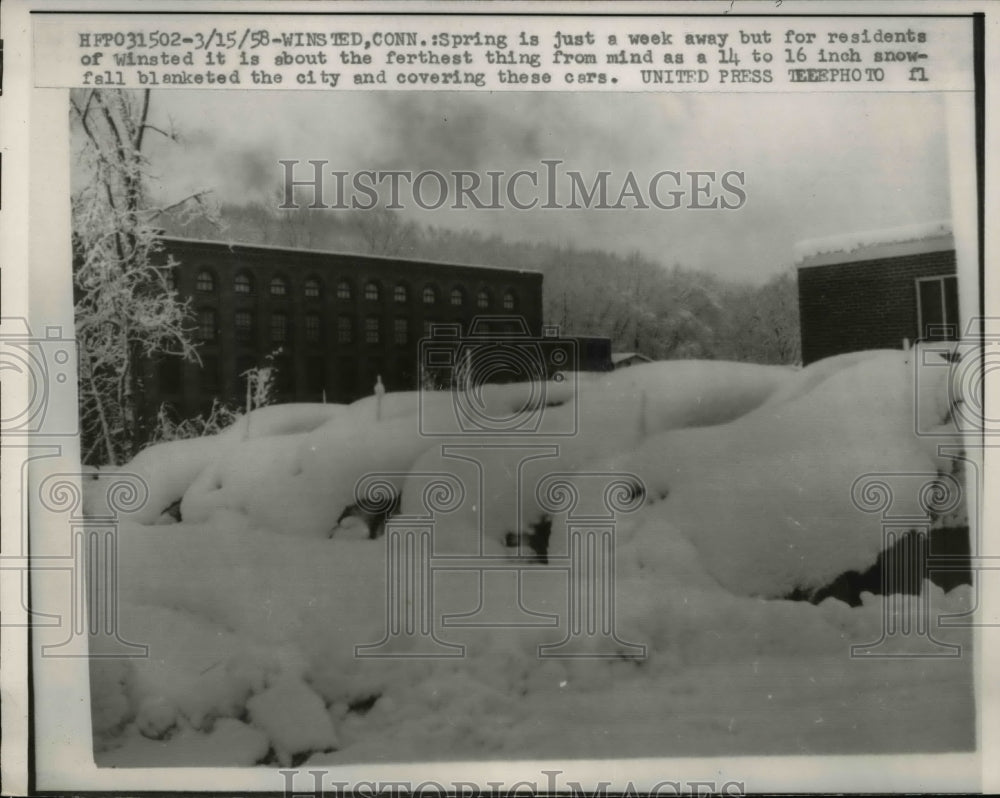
<point>339,320</point>
<point>875,290</point>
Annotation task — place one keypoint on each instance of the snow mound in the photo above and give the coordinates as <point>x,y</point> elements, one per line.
<point>767,499</point>
<point>294,469</point>
<point>254,617</point>
<point>294,719</point>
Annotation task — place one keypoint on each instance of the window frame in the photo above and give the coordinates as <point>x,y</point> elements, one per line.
<point>945,321</point>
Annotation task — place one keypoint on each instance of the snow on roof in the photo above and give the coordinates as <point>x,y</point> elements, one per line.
<point>618,357</point>
<point>343,253</point>
<point>849,246</point>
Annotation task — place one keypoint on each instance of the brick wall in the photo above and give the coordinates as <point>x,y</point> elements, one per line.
<point>871,304</point>
<point>321,362</point>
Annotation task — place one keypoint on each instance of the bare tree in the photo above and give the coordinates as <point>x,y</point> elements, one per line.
<point>125,308</point>
<point>385,233</point>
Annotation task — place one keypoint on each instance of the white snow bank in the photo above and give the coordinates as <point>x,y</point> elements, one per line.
<point>252,633</point>
<point>297,471</point>
<point>767,499</point>
<point>288,615</point>
<point>612,413</point>
<point>169,469</point>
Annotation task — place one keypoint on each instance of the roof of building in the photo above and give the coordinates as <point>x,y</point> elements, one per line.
<point>618,357</point>
<point>872,244</point>
<point>237,245</point>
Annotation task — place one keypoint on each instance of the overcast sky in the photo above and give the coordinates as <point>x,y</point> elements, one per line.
<point>815,165</point>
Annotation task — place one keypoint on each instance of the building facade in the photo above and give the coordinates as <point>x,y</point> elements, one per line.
<point>877,291</point>
<point>333,322</point>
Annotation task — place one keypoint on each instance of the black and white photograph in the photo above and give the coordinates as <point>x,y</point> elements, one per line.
<point>430,422</point>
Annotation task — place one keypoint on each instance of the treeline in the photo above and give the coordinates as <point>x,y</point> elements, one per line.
<point>640,304</point>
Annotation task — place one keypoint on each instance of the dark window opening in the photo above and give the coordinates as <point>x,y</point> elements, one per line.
<point>937,308</point>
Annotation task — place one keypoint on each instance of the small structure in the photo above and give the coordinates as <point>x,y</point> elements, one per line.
<point>593,353</point>
<point>621,360</point>
<point>875,290</point>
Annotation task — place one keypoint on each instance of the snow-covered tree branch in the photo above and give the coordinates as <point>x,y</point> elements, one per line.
<point>125,310</point>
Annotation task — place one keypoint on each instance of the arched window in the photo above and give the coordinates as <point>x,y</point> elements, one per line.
<point>509,301</point>
<point>457,296</point>
<point>430,295</point>
<point>279,286</point>
<point>399,293</point>
<point>243,283</point>
<point>371,291</point>
<point>205,282</point>
<point>343,290</point>
<point>312,288</point>
<point>483,299</point>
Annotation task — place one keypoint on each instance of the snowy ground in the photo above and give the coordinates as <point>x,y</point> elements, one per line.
<point>252,606</point>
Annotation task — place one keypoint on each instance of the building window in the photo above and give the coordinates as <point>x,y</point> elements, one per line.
<point>345,330</point>
<point>372,330</point>
<point>313,328</point>
<point>279,287</point>
<point>205,282</point>
<point>343,290</point>
<point>457,296</point>
<point>243,284</point>
<point>483,299</point>
<point>401,331</point>
<point>509,303</point>
<point>312,288</point>
<point>170,279</point>
<point>244,325</point>
<point>371,292</point>
<point>399,293</point>
<point>279,328</point>
<point>206,325</point>
<point>937,308</point>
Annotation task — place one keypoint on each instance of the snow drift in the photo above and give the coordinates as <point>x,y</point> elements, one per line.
<point>253,614</point>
